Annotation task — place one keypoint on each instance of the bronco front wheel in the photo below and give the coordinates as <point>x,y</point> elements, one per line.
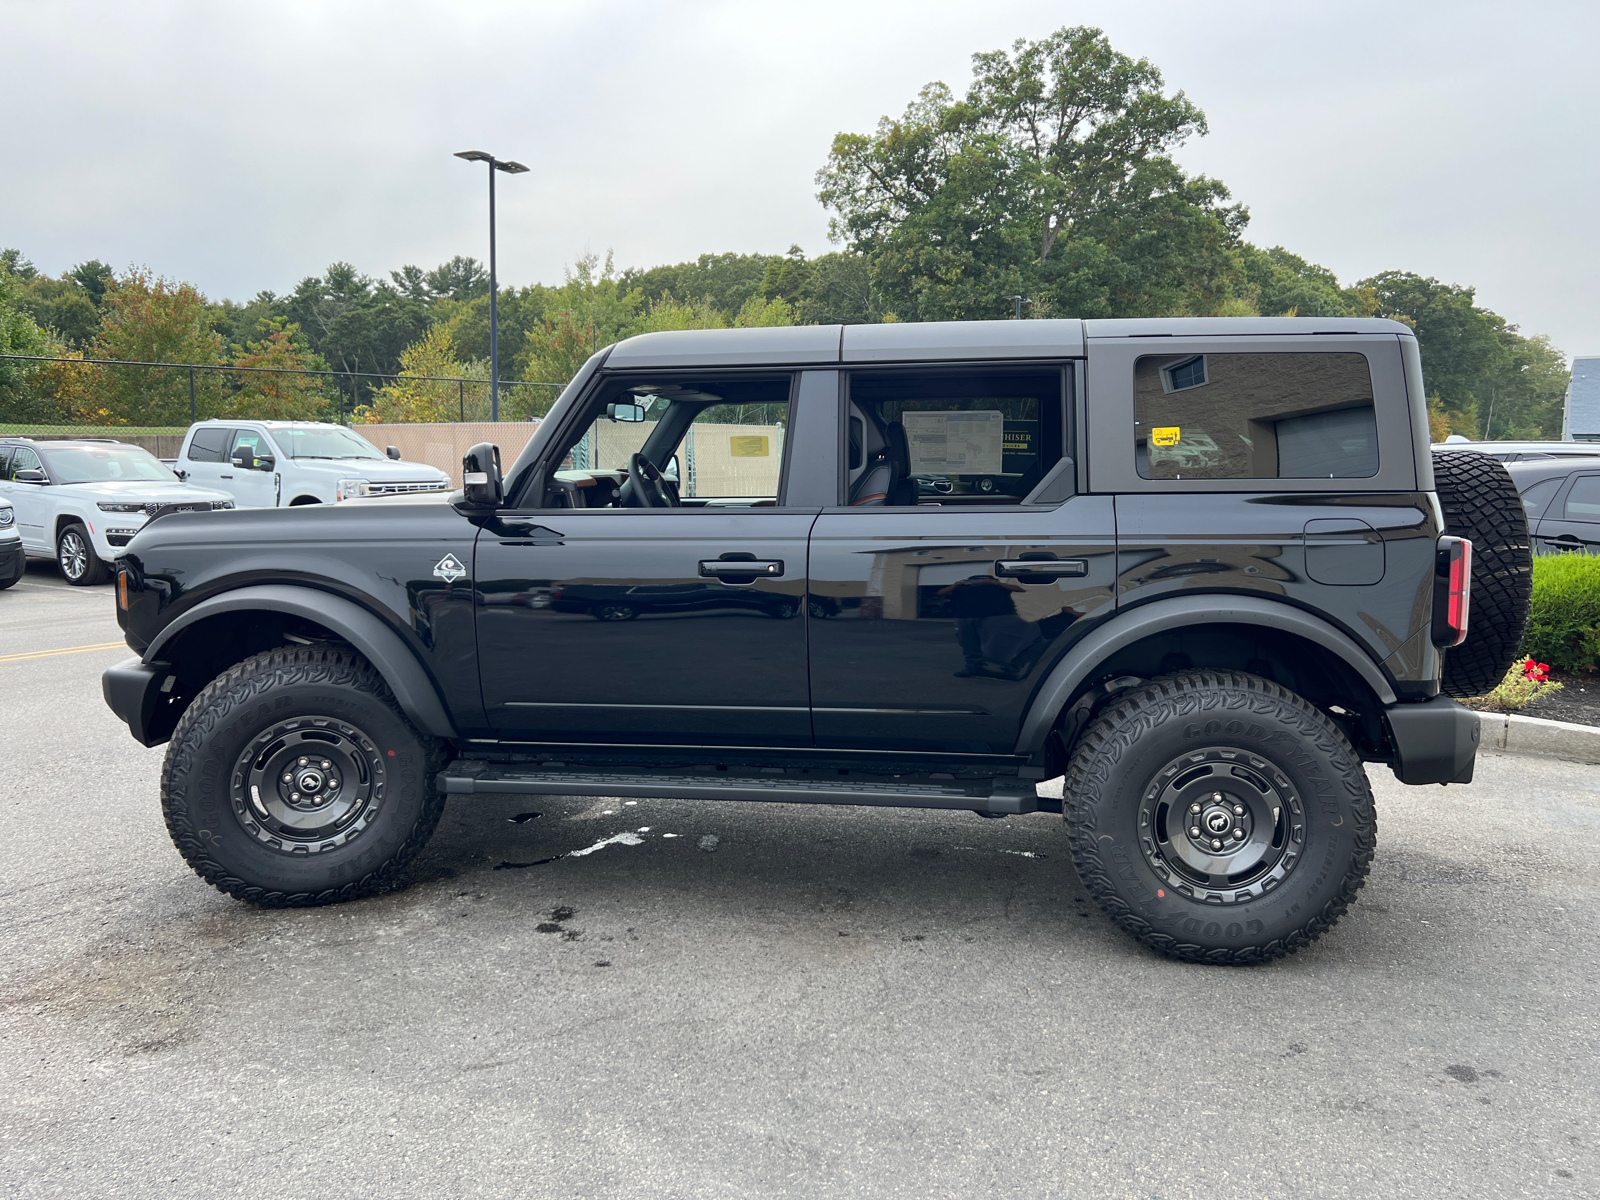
<point>1219,818</point>
<point>294,779</point>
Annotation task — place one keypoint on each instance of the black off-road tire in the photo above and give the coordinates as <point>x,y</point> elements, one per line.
<point>1482,505</point>
<point>75,555</point>
<point>342,701</point>
<point>1237,728</point>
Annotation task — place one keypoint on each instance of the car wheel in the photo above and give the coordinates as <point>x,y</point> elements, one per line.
<point>81,566</point>
<point>818,609</point>
<point>1219,818</point>
<point>786,610</point>
<point>1481,504</point>
<point>615,612</point>
<point>294,780</point>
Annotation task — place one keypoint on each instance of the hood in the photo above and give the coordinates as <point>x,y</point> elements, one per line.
<point>175,492</point>
<point>379,470</point>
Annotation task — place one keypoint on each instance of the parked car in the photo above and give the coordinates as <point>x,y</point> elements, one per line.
<point>1525,451</point>
<point>1562,499</point>
<point>13,560</point>
<point>1208,659</point>
<point>80,502</point>
<point>285,464</point>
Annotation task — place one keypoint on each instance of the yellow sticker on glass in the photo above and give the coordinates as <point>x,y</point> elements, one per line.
<point>751,446</point>
<point>1165,435</point>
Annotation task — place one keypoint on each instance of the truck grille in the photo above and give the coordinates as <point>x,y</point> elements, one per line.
<point>403,489</point>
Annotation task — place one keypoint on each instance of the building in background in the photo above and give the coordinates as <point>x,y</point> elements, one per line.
<point>1580,418</point>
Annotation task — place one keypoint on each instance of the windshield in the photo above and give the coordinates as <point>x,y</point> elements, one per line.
<point>323,441</point>
<point>103,464</point>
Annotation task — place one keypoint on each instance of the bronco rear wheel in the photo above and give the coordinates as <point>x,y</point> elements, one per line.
<point>1481,504</point>
<point>294,779</point>
<point>1219,818</point>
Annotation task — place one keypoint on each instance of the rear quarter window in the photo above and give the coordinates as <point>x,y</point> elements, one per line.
<point>208,445</point>
<point>1255,416</point>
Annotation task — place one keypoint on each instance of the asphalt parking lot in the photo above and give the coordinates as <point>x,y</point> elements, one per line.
<point>820,1002</point>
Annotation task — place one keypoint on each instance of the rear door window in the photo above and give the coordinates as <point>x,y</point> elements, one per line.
<point>209,445</point>
<point>1583,501</point>
<point>954,437</point>
<point>1537,496</point>
<point>1254,416</point>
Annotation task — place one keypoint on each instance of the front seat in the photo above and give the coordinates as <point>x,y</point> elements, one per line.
<point>886,479</point>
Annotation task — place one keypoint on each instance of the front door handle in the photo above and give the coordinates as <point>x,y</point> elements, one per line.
<point>717,568</point>
<point>1055,568</point>
<point>224,476</point>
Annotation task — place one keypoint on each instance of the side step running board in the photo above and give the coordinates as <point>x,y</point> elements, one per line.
<point>1000,797</point>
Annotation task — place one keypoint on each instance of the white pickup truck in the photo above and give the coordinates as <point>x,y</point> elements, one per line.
<point>279,464</point>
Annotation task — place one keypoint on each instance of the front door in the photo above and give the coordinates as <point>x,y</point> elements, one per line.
<point>253,486</point>
<point>629,611</point>
<point>938,600</point>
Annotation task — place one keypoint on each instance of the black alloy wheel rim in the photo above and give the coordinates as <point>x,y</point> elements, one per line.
<point>308,784</point>
<point>73,554</point>
<point>1221,826</point>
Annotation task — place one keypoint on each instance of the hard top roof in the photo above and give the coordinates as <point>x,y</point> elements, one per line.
<point>925,341</point>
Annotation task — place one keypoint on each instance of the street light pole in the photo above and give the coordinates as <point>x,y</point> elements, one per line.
<point>510,168</point>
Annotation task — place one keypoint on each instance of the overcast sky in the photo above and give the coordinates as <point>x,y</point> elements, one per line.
<point>244,146</point>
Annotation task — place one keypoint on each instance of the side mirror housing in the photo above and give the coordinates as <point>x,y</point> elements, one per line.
<point>393,452</point>
<point>245,460</point>
<point>266,462</point>
<point>30,475</point>
<point>480,476</point>
<point>631,413</point>
<point>181,474</point>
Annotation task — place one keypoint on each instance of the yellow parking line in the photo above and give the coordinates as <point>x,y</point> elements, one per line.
<point>68,650</point>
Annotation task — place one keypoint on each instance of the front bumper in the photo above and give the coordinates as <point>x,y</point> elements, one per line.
<point>133,690</point>
<point>13,562</point>
<point>1435,741</point>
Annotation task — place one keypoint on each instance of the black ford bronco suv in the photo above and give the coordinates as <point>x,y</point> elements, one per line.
<point>1203,568</point>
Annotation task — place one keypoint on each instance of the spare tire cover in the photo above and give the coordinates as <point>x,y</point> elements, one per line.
<point>1482,505</point>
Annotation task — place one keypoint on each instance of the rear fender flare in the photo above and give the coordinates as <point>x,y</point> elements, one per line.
<point>380,645</point>
<point>1160,616</point>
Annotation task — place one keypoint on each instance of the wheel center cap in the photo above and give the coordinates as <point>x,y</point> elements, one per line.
<point>1219,822</point>
<point>309,780</point>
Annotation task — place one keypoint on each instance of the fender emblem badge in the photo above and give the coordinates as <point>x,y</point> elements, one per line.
<point>449,568</point>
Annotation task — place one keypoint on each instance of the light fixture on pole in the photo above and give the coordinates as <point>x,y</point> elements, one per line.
<point>510,168</point>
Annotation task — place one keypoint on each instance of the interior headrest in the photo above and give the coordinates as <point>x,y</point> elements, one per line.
<point>899,448</point>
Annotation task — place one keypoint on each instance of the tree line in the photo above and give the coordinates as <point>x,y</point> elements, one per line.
<point>1050,184</point>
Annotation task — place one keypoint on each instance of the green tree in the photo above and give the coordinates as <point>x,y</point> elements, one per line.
<point>832,289</point>
<point>355,324</point>
<point>19,334</point>
<point>727,281</point>
<point>419,393</point>
<point>273,396</point>
<point>1278,283</point>
<point>154,320</point>
<point>1051,179</point>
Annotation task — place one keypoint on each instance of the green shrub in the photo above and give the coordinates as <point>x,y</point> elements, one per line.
<point>1564,624</point>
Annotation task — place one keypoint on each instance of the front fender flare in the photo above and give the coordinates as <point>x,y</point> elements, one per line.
<point>1159,616</point>
<point>413,689</point>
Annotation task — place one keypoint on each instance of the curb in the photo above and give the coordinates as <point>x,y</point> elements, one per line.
<point>1512,734</point>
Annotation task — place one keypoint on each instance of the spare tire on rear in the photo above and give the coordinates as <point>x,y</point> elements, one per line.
<point>1482,505</point>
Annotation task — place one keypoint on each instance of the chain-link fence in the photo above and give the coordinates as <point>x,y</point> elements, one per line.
<point>56,392</point>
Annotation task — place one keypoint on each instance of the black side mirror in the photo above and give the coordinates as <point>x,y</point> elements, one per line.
<point>393,452</point>
<point>245,460</point>
<point>181,474</point>
<point>30,475</point>
<point>480,476</point>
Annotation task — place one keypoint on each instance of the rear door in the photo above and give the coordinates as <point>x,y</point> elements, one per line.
<point>1572,523</point>
<point>205,455</point>
<point>934,614</point>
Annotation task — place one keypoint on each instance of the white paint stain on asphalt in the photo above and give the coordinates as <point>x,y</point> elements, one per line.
<point>620,839</point>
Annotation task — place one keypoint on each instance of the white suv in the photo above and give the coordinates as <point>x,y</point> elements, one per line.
<point>280,464</point>
<point>81,501</point>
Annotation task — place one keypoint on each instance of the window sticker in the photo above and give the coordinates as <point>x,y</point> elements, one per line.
<point>749,446</point>
<point>1166,435</point>
<point>955,443</point>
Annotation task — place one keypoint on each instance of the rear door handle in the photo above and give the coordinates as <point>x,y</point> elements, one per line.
<point>716,568</point>
<point>1056,568</point>
<point>224,476</point>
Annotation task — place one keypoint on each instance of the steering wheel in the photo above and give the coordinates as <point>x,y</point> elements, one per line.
<point>646,488</point>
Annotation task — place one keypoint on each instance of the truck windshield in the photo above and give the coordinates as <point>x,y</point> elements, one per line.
<point>323,441</point>
<point>103,464</point>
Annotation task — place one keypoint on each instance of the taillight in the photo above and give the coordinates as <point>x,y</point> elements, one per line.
<point>1452,592</point>
<point>122,589</point>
